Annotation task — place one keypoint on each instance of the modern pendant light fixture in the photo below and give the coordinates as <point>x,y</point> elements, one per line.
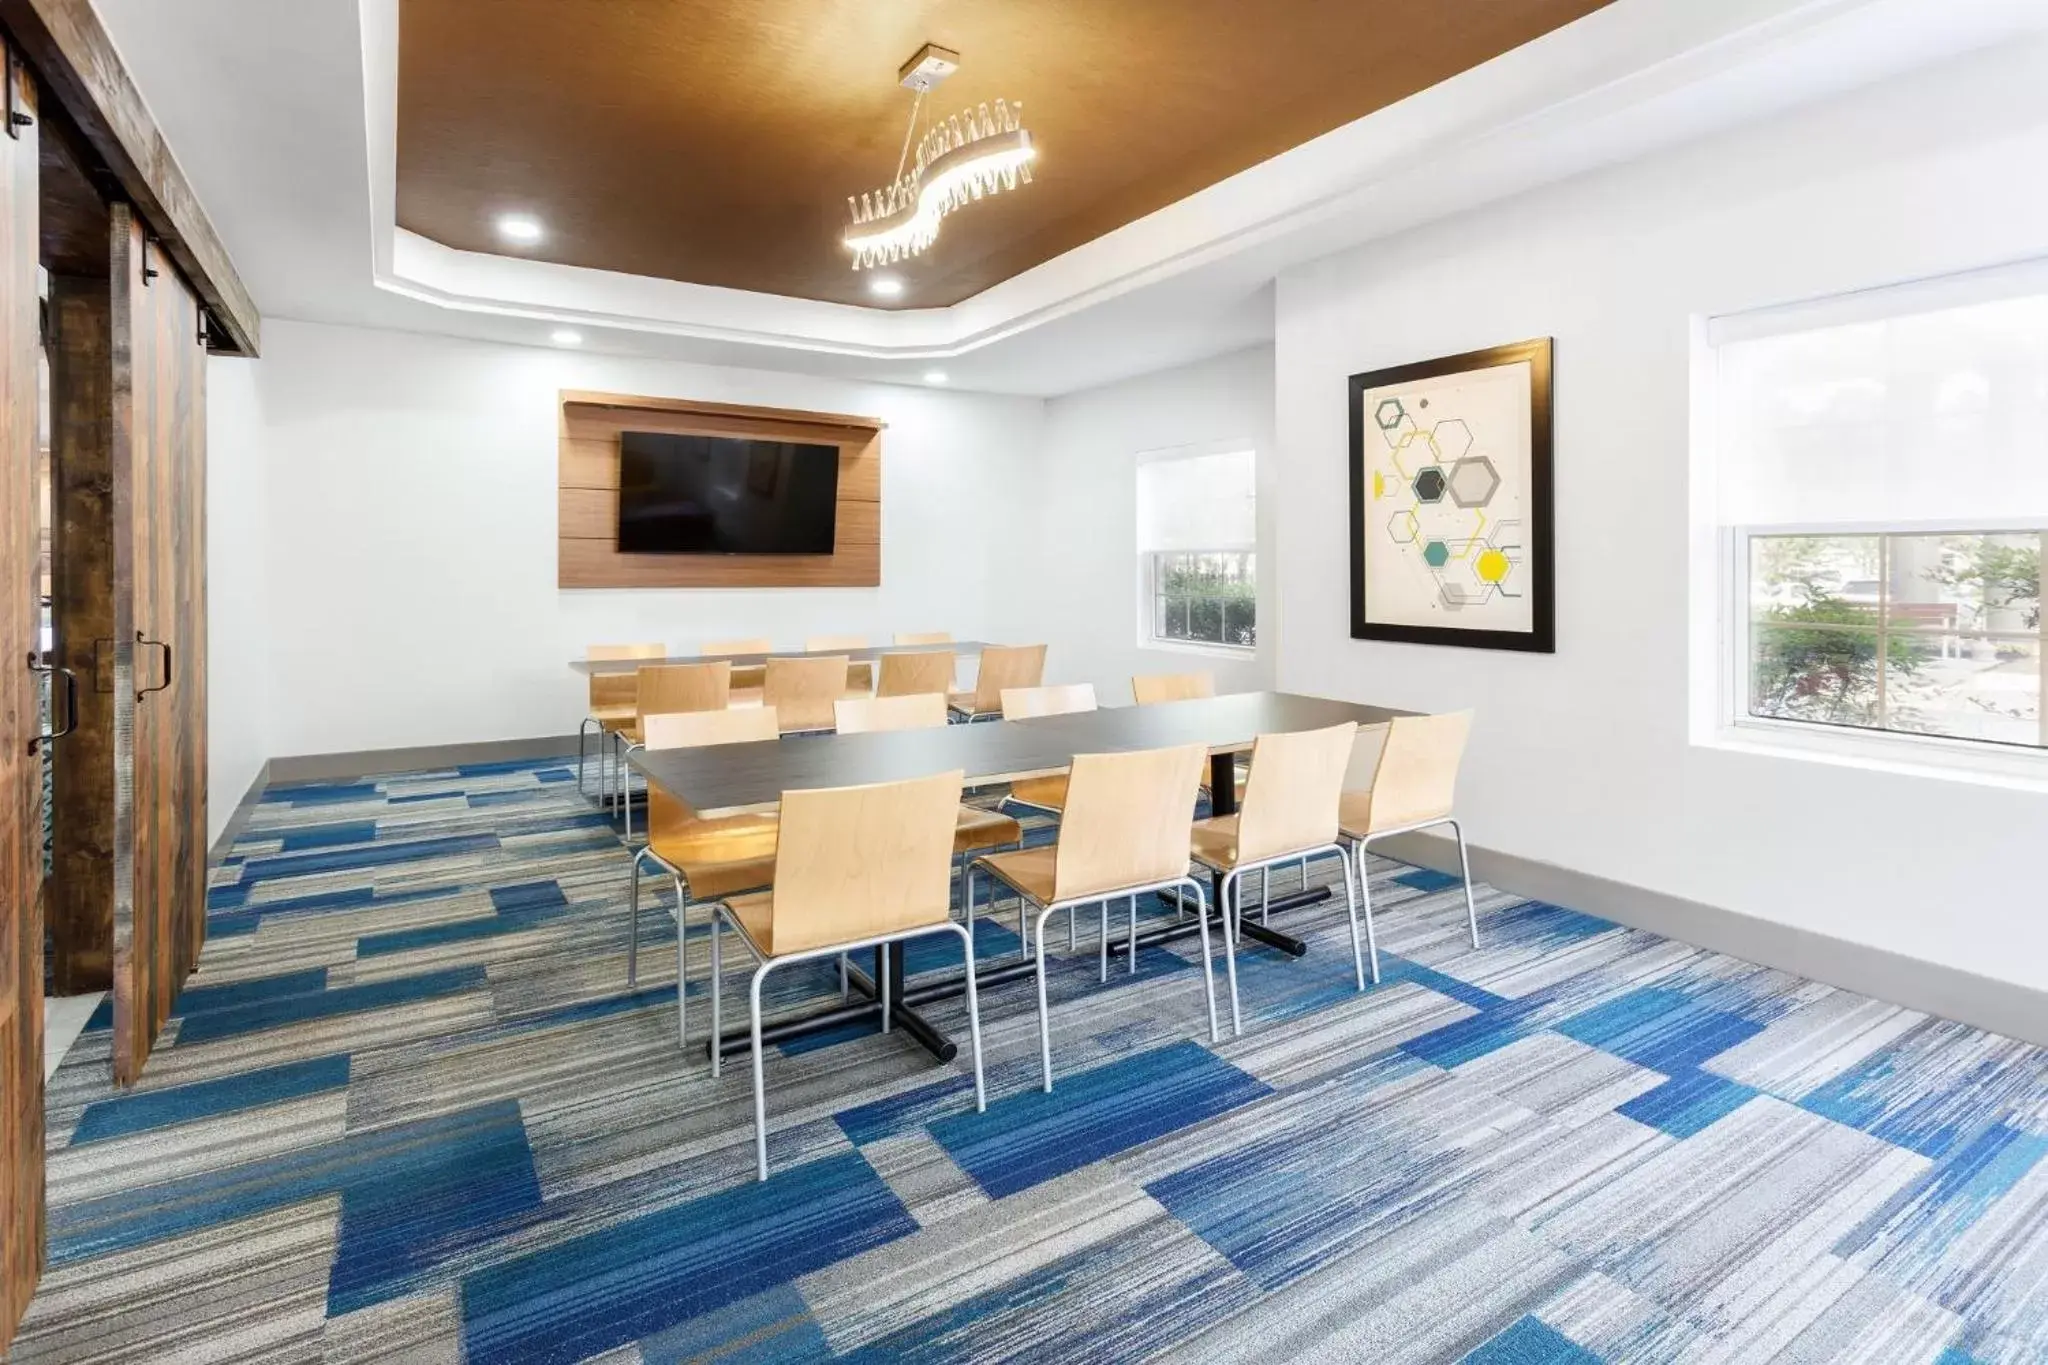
<point>972,155</point>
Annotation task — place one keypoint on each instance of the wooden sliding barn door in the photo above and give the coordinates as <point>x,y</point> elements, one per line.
<point>21,720</point>
<point>159,488</point>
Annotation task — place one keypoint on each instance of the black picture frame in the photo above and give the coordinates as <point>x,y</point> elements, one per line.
<point>1539,564</point>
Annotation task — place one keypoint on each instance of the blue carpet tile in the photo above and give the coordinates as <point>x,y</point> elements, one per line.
<point>410,1111</point>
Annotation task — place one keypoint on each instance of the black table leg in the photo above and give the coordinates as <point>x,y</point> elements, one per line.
<point>1222,784</point>
<point>903,1014</point>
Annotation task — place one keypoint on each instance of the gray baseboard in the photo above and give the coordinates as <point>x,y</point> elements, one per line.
<point>1950,992</point>
<point>240,819</point>
<point>370,762</point>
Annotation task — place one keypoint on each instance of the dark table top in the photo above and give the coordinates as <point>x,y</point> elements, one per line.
<point>868,655</point>
<point>728,778</point>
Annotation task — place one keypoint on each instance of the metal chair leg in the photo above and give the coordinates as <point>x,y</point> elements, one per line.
<point>633,927</point>
<point>845,981</point>
<point>882,960</point>
<point>1372,942</point>
<point>760,1085</point>
<point>1230,950</point>
<point>582,747</point>
<point>1465,867</point>
<point>1351,913</point>
<point>1134,936</point>
<point>682,957</point>
<point>1103,977</point>
<point>974,1020</point>
<point>1044,1011</point>
<point>717,990</point>
<point>1266,895</point>
<point>1208,975</point>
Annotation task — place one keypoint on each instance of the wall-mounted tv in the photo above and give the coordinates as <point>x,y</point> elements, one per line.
<point>722,495</point>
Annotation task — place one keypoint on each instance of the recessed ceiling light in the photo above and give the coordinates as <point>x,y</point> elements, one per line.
<point>885,286</point>
<point>934,376</point>
<point>517,227</point>
<point>563,336</point>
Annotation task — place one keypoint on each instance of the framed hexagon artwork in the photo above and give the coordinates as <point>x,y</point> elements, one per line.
<point>1451,501</point>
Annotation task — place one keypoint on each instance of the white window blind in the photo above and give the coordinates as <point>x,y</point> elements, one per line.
<point>1198,502</point>
<point>1932,416</point>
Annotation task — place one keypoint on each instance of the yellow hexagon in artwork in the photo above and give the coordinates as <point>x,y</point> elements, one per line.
<point>1379,485</point>
<point>1492,566</point>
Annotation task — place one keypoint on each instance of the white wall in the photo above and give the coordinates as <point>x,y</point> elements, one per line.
<point>1084,593</point>
<point>237,588</point>
<point>412,506</point>
<point>1583,759</point>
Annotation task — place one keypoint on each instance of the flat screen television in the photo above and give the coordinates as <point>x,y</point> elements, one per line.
<point>720,495</point>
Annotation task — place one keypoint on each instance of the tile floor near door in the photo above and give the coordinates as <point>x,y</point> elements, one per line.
<point>408,1112</point>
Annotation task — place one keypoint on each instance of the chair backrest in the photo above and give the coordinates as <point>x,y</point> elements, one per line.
<point>1149,689</point>
<point>1290,799</point>
<point>1006,666</point>
<point>803,690</point>
<point>1416,778</point>
<point>759,644</point>
<point>618,689</point>
<point>817,644</point>
<point>1061,699</point>
<point>857,862</point>
<point>668,814</point>
<point>924,637</point>
<point>695,729</point>
<point>926,671</point>
<point>911,711</point>
<point>1126,820</point>
<point>612,652</point>
<point>684,687</point>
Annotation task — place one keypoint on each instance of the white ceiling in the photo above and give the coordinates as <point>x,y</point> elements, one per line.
<point>283,116</point>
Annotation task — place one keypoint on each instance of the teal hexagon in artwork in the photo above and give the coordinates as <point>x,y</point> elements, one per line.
<point>1430,484</point>
<point>1389,414</point>
<point>1436,554</point>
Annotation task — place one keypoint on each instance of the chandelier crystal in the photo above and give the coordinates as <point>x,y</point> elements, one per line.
<point>973,155</point>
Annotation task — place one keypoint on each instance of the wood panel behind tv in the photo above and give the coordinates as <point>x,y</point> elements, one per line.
<point>588,495</point>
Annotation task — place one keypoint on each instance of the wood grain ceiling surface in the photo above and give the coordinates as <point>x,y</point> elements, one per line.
<point>716,141</point>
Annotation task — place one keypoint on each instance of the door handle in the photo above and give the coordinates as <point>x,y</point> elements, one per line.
<point>70,702</point>
<point>165,647</point>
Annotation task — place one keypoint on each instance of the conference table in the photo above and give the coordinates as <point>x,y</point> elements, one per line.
<point>869,655</point>
<point>731,779</point>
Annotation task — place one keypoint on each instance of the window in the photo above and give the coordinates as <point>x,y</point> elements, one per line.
<point>1197,538</point>
<point>1883,485</point>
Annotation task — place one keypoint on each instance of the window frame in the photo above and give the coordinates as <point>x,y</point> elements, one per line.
<point>1147,558</point>
<point>1148,618</point>
<point>1998,759</point>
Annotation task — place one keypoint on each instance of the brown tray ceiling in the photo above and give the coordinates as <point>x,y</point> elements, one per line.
<point>716,141</point>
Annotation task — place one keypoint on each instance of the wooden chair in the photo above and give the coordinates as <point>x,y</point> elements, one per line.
<point>1124,835</point>
<point>1027,703</point>
<point>707,859</point>
<point>1001,666</point>
<point>757,644</point>
<point>666,689</point>
<point>1289,813</point>
<point>802,691</point>
<point>1150,689</point>
<point>906,675</point>
<point>1413,786</point>
<point>860,677</point>
<point>748,675</point>
<point>611,703</point>
<point>975,830</point>
<point>924,637</point>
<point>855,867</point>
